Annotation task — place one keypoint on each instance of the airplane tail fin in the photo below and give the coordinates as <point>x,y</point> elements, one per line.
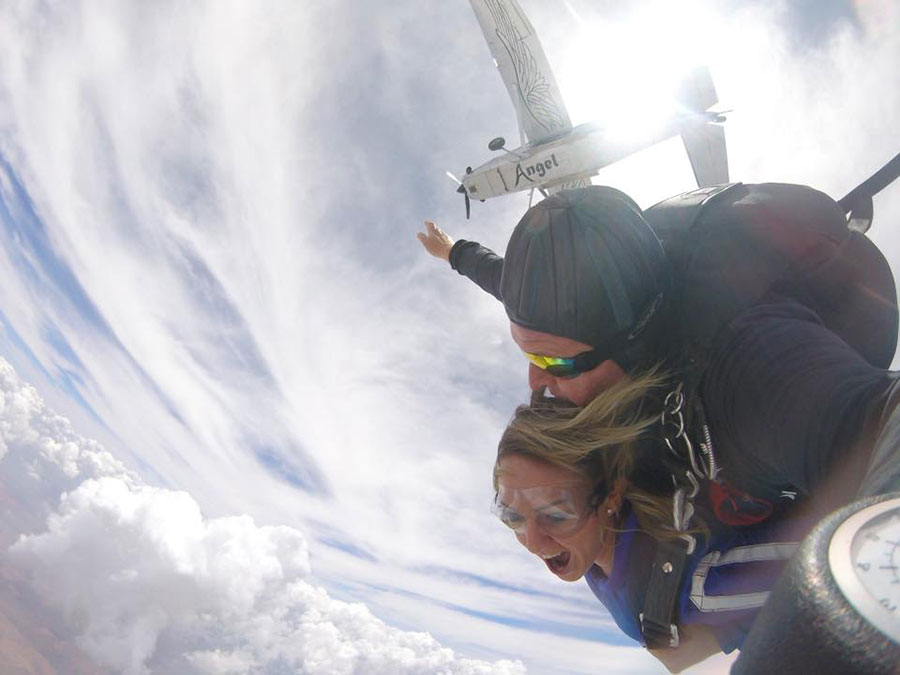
<point>697,91</point>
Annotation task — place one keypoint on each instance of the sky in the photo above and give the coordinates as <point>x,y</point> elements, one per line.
<point>247,424</point>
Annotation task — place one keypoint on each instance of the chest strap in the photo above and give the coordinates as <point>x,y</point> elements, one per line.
<point>657,625</point>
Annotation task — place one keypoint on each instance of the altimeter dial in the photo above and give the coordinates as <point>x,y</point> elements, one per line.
<point>864,556</point>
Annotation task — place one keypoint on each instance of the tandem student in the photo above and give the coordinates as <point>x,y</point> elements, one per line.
<point>579,489</point>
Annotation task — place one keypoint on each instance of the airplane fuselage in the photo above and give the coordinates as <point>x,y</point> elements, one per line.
<point>576,154</point>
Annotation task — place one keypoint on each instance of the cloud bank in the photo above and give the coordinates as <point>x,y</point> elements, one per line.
<point>144,583</point>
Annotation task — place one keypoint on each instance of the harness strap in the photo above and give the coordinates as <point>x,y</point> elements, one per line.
<point>657,626</point>
<point>857,203</point>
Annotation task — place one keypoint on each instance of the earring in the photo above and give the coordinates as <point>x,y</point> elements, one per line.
<point>610,512</point>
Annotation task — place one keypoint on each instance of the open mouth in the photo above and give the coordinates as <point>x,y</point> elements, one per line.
<point>558,562</point>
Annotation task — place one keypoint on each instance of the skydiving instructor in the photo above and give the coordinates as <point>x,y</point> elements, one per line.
<point>793,410</point>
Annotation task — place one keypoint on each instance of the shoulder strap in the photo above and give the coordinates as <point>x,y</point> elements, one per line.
<point>671,219</point>
<point>657,625</point>
<point>857,203</point>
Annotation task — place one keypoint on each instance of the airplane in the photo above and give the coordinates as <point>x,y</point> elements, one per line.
<point>557,156</point>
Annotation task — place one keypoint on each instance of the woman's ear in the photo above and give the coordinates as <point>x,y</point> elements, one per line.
<point>616,494</point>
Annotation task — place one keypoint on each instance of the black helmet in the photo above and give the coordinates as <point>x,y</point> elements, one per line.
<point>584,264</point>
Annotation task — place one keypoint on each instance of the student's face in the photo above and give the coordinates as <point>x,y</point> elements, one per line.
<point>534,496</point>
<point>581,389</point>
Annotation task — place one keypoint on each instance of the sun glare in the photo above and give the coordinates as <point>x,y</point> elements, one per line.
<point>624,73</point>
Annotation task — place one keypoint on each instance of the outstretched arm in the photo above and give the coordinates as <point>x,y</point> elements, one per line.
<point>437,242</point>
<point>469,258</point>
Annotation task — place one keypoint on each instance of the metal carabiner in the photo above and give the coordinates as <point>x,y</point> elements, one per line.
<point>695,484</point>
<point>677,509</point>
<point>679,400</point>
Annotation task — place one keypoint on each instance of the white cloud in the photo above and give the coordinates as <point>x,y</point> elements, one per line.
<point>144,583</point>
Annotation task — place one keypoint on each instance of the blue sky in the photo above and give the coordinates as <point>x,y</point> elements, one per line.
<point>208,264</point>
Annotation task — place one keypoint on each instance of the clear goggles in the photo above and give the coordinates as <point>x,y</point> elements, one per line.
<point>557,510</point>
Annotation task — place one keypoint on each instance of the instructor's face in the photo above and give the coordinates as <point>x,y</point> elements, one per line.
<point>581,389</point>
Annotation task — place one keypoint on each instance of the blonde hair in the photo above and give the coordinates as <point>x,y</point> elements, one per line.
<point>599,441</point>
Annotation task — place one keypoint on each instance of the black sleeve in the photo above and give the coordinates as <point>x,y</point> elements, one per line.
<point>789,404</point>
<point>479,264</point>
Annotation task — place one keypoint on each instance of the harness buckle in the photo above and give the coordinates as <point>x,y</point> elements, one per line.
<point>657,635</point>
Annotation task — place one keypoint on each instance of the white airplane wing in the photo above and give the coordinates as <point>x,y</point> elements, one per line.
<point>524,68</point>
<point>705,146</point>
